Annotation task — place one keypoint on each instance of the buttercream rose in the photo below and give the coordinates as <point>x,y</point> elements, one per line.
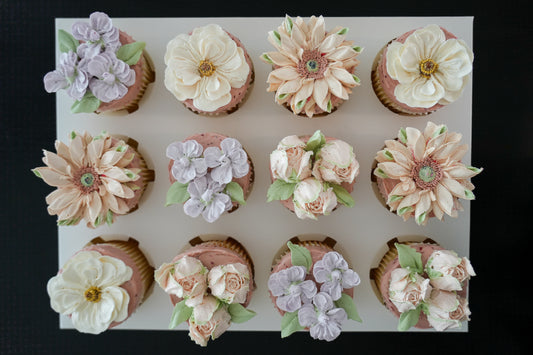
<point>312,198</point>
<point>407,290</point>
<point>446,310</point>
<point>290,162</point>
<point>447,271</point>
<point>336,163</point>
<point>218,323</point>
<point>229,283</point>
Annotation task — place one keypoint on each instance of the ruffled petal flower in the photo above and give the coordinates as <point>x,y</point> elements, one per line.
<point>322,318</point>
<point>207,199</point>
<point>291,288</point>
<point>333,272</point>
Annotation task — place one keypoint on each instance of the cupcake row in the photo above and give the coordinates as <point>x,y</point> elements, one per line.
<point>210,284</point>
<point>209,70</point>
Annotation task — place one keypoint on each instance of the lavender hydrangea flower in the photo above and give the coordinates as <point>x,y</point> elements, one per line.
<point>110,77</point>
<point>98,35</point>
<point>188,163</point>
<point>322,318</point>
<point>206,199</point>
<point>227,162</point>
<point>291,288</point>
<point>70,75</point>
<point>333,272</point>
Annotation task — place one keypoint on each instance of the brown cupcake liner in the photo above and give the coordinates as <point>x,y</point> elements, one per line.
<point>148,78</point>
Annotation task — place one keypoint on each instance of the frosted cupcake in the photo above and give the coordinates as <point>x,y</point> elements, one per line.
<point>102,68</point>
<point>209,82</point>
<point>421,71</point>
<point>312,175</point>
<point>311,286</point>
<point>210,174</point>
<point>423,284</point>
<point>210,285</point>
<point>313,69</point>
<point>97,178</point>
<point>420,174</point>
<point>101,286</point>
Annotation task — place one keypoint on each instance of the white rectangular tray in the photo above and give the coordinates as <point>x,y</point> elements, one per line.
<point>259,125</point>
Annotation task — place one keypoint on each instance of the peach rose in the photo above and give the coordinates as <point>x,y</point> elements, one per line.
<point>311,199</point>
<point>407,290</point>
<point>447,271</point>
<point>290,162</point>
<point>229,283</point>
<point>213,328</point>
<point>446,310</point>
<point>336,163</point>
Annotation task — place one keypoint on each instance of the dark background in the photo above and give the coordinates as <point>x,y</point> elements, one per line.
<point>500,232</point>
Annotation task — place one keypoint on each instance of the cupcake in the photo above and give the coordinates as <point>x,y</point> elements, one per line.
<point>208,70</point>
<point>311,286</point>
<point>421,71</point>
<point>313,69</point>
<point>101,285</point>
<point>96,178</point>
<point>210,174</point>
<point>420,174</point>
<point>312,175</point>
<point>210,285</point>
<point>423,285</point>
<point>102,68</point>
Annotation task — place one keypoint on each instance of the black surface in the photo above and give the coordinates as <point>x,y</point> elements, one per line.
<point>500,236</point>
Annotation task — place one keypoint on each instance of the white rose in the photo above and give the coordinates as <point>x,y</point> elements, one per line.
<point>185,278</point>
<point>447,271</point>
<point>290,161</point>
<point>229,283</point>
<point>312,199</point>
<point>217,324</point>
<point>446,310</point>
<point>406,290</point>
<point>336,163</point>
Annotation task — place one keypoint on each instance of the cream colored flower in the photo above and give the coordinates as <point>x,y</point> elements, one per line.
<point>290,161</point>
<point>311,199</point>
<point>336,163</point>
<point>312,67</point>
<point>217,324</point>
<point>92,179</point>
<point>407,290</point>
<point>430,69</point>
<point>229,283</point>
<point>448,271</point>
<point>446,310</point>
<point>429,173</point>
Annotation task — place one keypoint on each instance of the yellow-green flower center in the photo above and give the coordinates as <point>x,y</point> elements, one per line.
<point>93,294</point>
<point>206,68</point>
<point>427,67</point>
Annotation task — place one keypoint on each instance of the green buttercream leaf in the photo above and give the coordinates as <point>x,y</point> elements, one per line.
<point>379,172</point>
<point>356,78</point>
<point>474,169</point>
<point>343,196</point>
<point>358,49</point>
<point>277,37</point>
<point>109,218</point>
<point>177,193</point>
<point>290,324</point>
<point>73,135</point>
<point>402,135</point>
<point>130,174</point>
<point>395,198</point>
<point>409,258</point>
<point>316,142</point>
<point>420,219</point>
<point>267,59</point>
<point>180,314</point>
<point>300,104</point>
<point>440,131</point>
<point>343,31</point>
<point>409,319</point>
<point>329,106</point>
<point>404,210</point>
<point>234,191</point>
<point>347,303</point>
<point>36,173</point>
<point>282,96</point>
<point>300,256</point>
<point>288,24</point>
<point>432,273</point>
<point>131,53</point>
<point>67,42</point>
<point>280,190</point>
<point>388,155</point>
<point>98,221</point>
<point>89,103</point>
<point>239,314</point>
<point>121,148</point>
<point>63,222</point>
<point>469,194</point>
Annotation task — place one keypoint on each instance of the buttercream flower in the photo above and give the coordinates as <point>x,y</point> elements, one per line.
<point>111,77</point>
<point>290,162</point>
<point>228,161</point>
<point>229,283</point>
<point>207,199</point>
<point>92,178</point>
<point>336,163</point>
<point>311,198</point>
<point>88,290</point>
<point>446,310</point>
<point>322,318</point>
<point>186,278</point>
<point>447,271</point>
<point>429,173</point>
<point>313,68</point>
<point>98,35</point>
<point>218,323</point>
<point>291,288</point>
<point>70,75</point>
<point>333,272</point>
<point>430,69</point>
<point>204,66</point>
<point>188,162</point>
<point>407,290</point>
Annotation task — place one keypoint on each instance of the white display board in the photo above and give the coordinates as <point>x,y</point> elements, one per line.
<point>259,125</point>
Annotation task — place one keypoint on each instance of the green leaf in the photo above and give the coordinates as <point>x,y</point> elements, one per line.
<point>404,210</point>
<point>395,198</point>
<point>89,103</point>
<point>239,314</point>
<point>130,174</point>
<point>300,104</point>
<point>432,273</point>
<point>277,37</point>
<point>109,218</point>
<point>329,106</point>
<point>73,135</point>
<point>36,173</point>
<point>474,169</point>
<point>316,142</point>
<point>67,42</point>
<point>131,53</point>
<point>282,96</point>
<point>409,258</point>
<point>379,172</point>
<point>267,59</point>
<point>343,196</point>
<point>388,155</point>
<point>98,221</point>
<point>358,49</point>
<point>121,148</point>
<point>402,135</point>
<point>280,190</point>
<point>234,191</point>
<point>300,256</point>
<point>347,303</point>
<point>469,195</point>
<point>409,319</point>
<point>420,219</point>
<point>290,324</point>
<point>177,193</point>
<point>356,78</point>
<point>288,24</point>
<point>180,314</point>
<point>343,31</point>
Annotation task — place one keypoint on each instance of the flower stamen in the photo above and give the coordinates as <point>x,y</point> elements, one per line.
<point>312,65</point>
<point>93,294</point>
<point>87,180</point>
<point>206,68</point>
<point>426,174</point>
<point>427,67</point>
